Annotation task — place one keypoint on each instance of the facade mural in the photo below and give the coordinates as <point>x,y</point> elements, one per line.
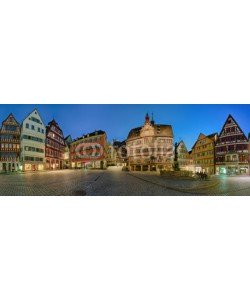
<point>150,147</point>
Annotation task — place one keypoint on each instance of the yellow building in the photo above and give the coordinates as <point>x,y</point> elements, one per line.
<point>203,153</point>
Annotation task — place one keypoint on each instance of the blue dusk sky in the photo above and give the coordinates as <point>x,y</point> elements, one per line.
<point>117,119</point>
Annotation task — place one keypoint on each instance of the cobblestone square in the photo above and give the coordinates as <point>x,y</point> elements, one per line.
<point>114,182</point>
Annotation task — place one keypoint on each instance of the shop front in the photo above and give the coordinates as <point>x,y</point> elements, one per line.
<point>232,170</point>
<point>32,167</point>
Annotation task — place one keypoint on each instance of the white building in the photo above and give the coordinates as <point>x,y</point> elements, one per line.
<point>33,135</point>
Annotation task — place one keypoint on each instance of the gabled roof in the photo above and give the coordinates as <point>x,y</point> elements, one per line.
<point>178,144</point>
<point>68,140</point>
<point>53,122</point>
<point>181,142</point>
<point>159,130</point>
<point>68,137</point>
<point>203,136</point>
<point>35,109</point>
<point>11,115</point>
<point>230,116</point>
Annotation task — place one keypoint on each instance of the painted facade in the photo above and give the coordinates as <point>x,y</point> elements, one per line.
<point>232,149</point>
<point>10,145</point>
<point>203,153</point>
<point>55,146</point>
<point>33,134</point>
<point>150,147</point>
<point>89,151</point>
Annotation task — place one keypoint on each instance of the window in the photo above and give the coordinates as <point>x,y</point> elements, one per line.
<point>42,130</point>
<point>32,127</point>
<point>28,137</point>
<point>27,125</point>
<point>35,120</point>
<point>38,129</point>
<point>234,157</point>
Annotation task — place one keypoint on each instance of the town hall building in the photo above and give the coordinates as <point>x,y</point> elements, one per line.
<point>150,147</point>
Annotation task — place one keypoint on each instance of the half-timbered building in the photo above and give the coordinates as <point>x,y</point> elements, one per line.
<point>10,145</point>
<point>183,160</point>
<point>231,149</point>
<point>55,146</point>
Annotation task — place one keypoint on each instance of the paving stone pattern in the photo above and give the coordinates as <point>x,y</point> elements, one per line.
<point>114,182</point>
